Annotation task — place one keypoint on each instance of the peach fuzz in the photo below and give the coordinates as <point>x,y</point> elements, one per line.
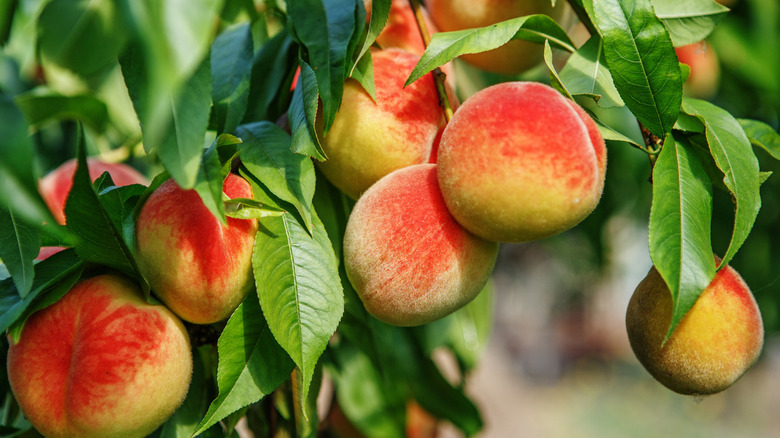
<point>719,338</point>
<point>199,268</point>
<point>100,362</point>
<point>370,139</point>
<point>56,185</point>
<point>408,259</point>
<point>520,162</point>
<point>514,57</point>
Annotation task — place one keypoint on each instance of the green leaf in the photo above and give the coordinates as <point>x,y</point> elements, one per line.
<point>251,363</point>
<point>380,11</point>
<point>101,239</point>
<point>306,418</point>
<point>555,79</point>
<point>585,73</point>
<point>231,68</point>
<point>243,208</point>
<point>325,30</point>
<point>734,156</point>
<point>762,135</point>
<point>19,245</point>
<point>679,230</point>
<point>364,74</point>
<point>445,46</point>
<point>266,153</point>
<point>303,114</point>
<point>18,187</point>
<point>272,70</point>
<point>299,288</point>
<point>211,177</point>
<point>641,58</point>
<point>689,21</point>
<point>83,36</point>
<point>39,108</point>
<point>53,277</point>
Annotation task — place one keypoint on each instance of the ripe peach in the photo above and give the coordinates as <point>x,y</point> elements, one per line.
<point>519,162</point>
<point>704,77</point>
<point>712,346</point>
<point>514,57</point>
<point>100,362</point>
<point>407,258</point>
<point>55,186</point>
<point>199,268</point>
<point>370,139</point>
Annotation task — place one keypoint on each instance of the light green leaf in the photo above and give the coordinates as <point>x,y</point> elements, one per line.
<point>734,156</point>
<point>555,79</point>
<point>380,10</point>
<point>39,108</point>
<point>762,135</point>
<point>266,153</point>
<point>448,45</point>
<point>299,289</point>
<point>251,363</point>
<point>641,58</point>
<point>689,21</point>
<point>585,73</point>
<point>679,230</point>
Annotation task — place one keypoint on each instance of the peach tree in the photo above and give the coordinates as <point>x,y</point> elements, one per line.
<point>195,90</point>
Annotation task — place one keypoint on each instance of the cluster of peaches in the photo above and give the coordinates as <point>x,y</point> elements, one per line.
<point>517,162</point>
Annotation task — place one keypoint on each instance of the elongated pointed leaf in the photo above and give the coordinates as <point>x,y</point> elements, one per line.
<point>40,108</point>
<point>448,45</point>
<point>266,153</point>
<point>19,244</point>
<point>680,239</point>
<point>272,68</point>
<point>762,135</point>
<point>231,68</point>
<point>641,58</point>
<point>585,73</point>
<point>380,10</point>
<point>303,114</point>
<point>299,289</point>
<point>734,156</point>
<point>689,21</point>
<point>251,363</point>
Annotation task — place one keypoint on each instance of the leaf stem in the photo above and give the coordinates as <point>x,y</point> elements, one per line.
<point>439,77</point>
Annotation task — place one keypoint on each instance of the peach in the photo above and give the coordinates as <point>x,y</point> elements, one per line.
<point>704,78</point>
<point>55,186</point>
<point>519,162</point>
<point>200,268</point>
<point>406,256</point>
<point>514,57</point>
<point>370,139</point>
<point>100,362</point>
<point>719,338</point>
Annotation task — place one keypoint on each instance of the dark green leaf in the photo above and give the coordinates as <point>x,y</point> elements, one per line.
<point>762,135</point>
<point>641,58</point>
<point>303,113</point>
<point>448,45</point>
<point>272,69</point>
<point>585,73</point>
<point>734,156</point>
<point>380,10</point>
<point>231,67</point>
<point>251,363</point>
<point>680,240</point>
<point>299,288</point>
<point>325,30</point>
<point>266,153</point>
<point>83,36</point>
<point>19,244</point>
<point>689,21</point>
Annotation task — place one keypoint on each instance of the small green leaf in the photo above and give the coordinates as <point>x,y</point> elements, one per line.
<point>380,10</point>
<point>299,288</point>
<point>364,74</point>
<point>210,181</point>
<point>242,208</point>
<point>734,156</point>
<point>266,153</point>
<point>19,245</point>
<point>679,230</point>
<point>445,46</point>
<point>251,363</point>
<point>689,21</point>
<point>231,68</point>
<point>303,114</point>
<point>585,73</point>
<point>641,58</point>
<point>555,79</point>
<point>762,135</point>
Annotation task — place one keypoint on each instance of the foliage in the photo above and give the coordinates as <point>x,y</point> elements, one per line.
<point>180,88</point>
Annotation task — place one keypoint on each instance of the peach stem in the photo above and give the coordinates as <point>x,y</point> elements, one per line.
<point>438,76</point>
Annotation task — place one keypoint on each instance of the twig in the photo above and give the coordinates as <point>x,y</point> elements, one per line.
<point>439,77</point>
